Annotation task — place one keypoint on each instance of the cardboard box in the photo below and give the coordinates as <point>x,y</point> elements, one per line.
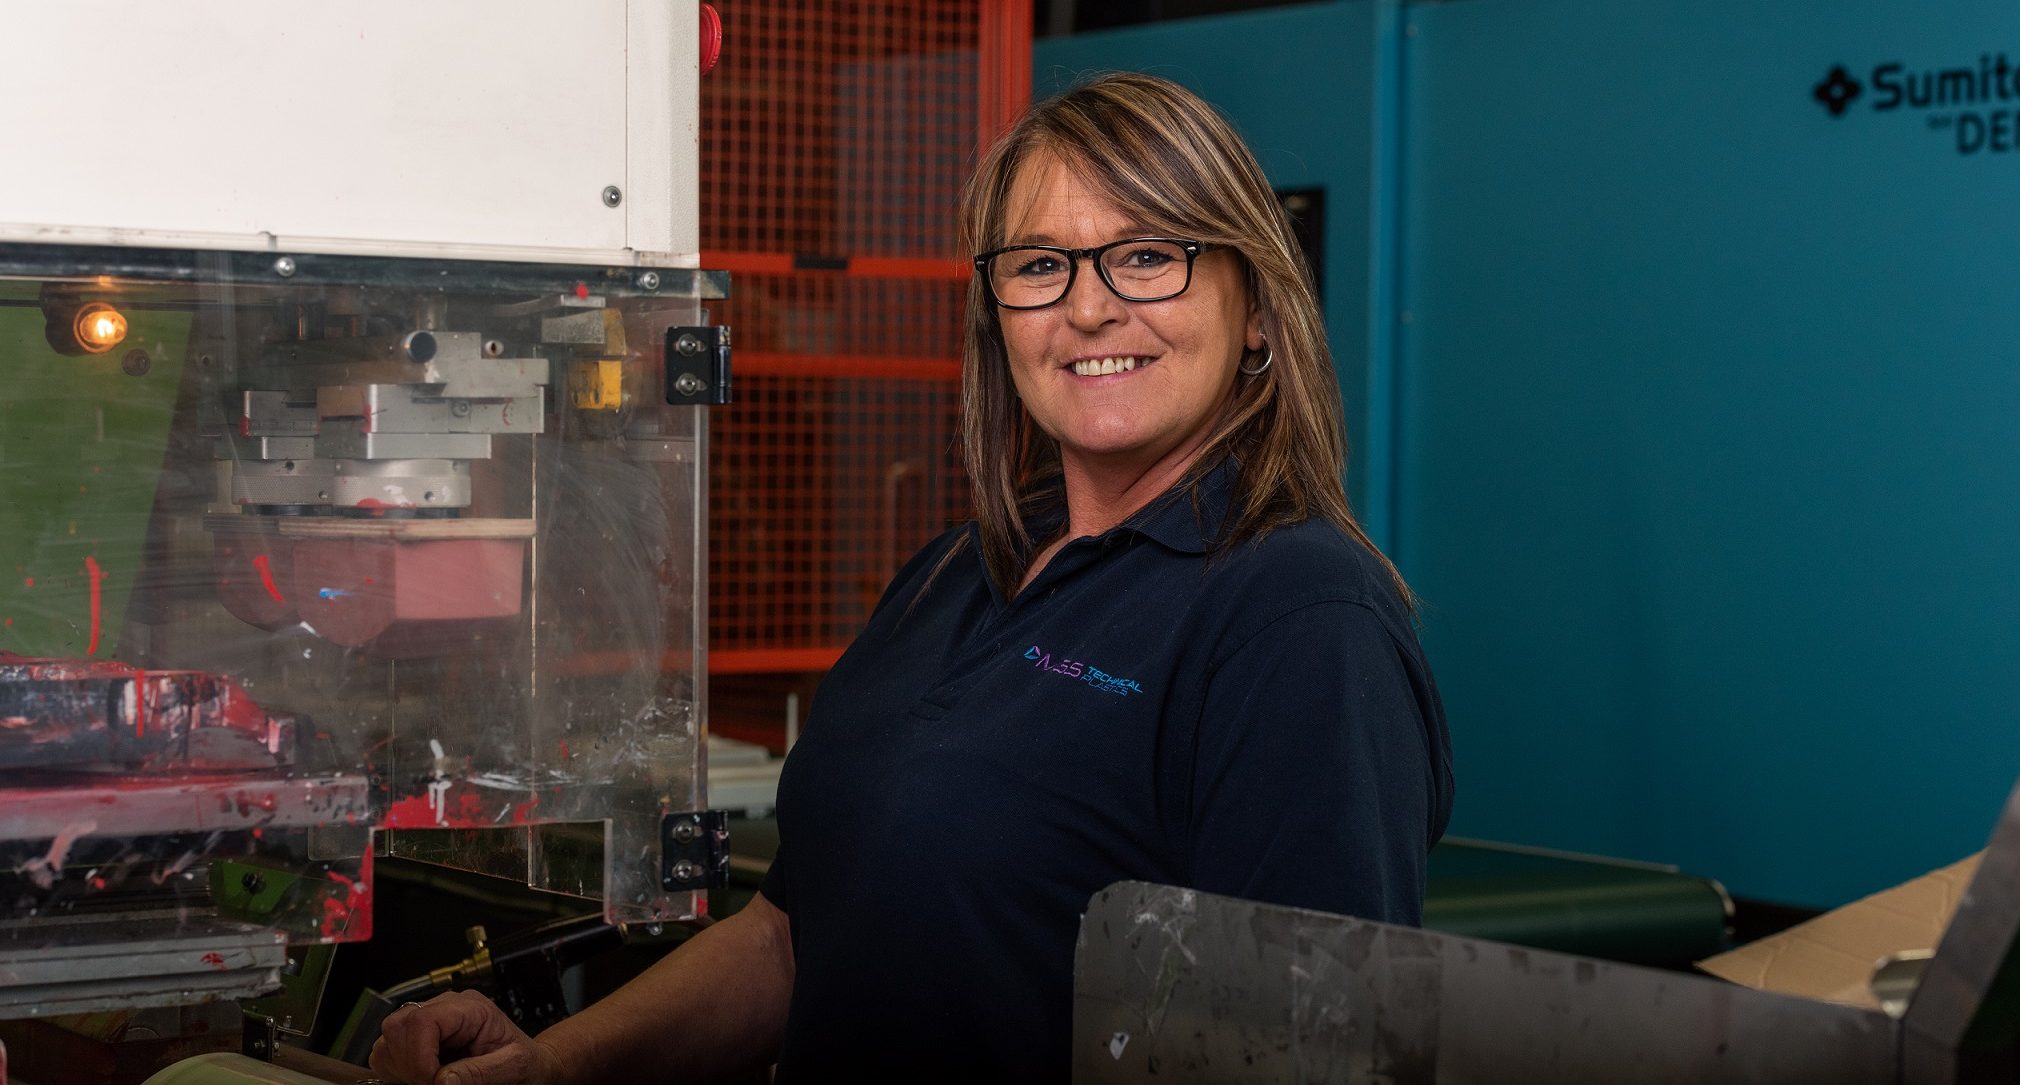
<point>1832,957</point>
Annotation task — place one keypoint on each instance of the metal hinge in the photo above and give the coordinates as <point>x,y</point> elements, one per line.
<point>694,850</point>
<point>697,365</point>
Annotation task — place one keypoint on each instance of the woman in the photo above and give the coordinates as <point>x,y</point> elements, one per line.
<point>1165,651</point>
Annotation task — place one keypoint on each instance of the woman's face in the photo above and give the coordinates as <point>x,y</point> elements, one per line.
<point>1184,349</point>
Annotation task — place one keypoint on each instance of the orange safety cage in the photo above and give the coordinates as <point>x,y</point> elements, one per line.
<point>835,140</point>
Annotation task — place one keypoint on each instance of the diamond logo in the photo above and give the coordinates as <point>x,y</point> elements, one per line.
<point>1837,91</point>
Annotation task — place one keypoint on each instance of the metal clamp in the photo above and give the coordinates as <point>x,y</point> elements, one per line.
<point>694,849</point>
<point>697,365</point>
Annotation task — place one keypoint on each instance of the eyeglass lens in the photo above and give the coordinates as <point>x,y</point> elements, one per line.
<point>1135,270</point>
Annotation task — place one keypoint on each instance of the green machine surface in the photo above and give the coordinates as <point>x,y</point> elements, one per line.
<point>1633,912</point>
<point>81,448</point>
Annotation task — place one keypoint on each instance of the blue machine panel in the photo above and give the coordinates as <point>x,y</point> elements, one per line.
<point>1692,377</point>
<point>1709,468</point>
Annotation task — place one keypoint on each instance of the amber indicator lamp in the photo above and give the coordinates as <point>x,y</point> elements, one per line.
<point>93,327</point>
<point>99,327</point>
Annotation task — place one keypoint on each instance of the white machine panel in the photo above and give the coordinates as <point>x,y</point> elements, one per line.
<point>459,128</point>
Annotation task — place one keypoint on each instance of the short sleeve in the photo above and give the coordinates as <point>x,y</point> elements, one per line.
<point>899,595</point>
<point>1322,771</point>
<point>774,884</point>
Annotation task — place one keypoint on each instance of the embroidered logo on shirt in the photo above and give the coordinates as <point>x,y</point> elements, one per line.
<point>1073,668</point>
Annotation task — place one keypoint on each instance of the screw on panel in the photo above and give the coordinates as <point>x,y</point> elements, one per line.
<point>649,281</point>
<point>686,832</point>
<point>612,195</point>
<point>688,344</point>
<point>285,267</point>
<point>136,363</point>
<point>460,408</point>
<point>688,384</point>
<point>685,871</point>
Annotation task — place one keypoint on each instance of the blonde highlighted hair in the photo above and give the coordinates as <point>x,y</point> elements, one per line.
<point>1170,162</point>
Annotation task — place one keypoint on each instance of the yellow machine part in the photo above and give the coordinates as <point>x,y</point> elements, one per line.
<point>598,384</point>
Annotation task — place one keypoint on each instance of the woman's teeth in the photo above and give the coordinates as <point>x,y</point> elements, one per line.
<point>1096,367</point>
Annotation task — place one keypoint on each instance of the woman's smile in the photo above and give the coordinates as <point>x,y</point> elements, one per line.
<point>1105,365</point>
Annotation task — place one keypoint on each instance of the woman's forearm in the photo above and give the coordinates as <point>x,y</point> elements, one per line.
<point>714,1007</point>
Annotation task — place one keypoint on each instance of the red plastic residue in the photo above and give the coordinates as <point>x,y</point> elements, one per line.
<point>349,919</point>
<point>266,571</point>
<point>97,575</point>
<point>457,806</point>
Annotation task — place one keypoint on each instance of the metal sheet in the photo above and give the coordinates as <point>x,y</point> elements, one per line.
<point>1178,985</point>
<point>106,965</point>
<point>453,268</point>
<point>129,806</point>
<point>1963,1023</point>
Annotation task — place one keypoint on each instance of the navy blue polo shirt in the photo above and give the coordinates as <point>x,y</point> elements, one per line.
<point>1256,721</point>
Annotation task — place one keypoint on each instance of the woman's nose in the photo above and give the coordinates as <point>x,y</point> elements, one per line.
<point>1090,304</point>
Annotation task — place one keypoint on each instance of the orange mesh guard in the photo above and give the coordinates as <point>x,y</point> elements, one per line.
<point>835,140</point>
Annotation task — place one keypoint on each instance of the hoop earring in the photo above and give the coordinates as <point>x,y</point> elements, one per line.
<point>1268,357</point>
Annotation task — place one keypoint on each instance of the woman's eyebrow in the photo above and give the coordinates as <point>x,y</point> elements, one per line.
<point>1131,229</point>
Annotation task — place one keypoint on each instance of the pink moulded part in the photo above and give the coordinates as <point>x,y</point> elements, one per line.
<point>408,599</point>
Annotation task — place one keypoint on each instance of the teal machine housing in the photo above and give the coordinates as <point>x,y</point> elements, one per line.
<point>1681,347</point>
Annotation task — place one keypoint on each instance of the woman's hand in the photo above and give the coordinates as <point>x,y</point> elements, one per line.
<point>724,992</point>
<point>461,1038</point>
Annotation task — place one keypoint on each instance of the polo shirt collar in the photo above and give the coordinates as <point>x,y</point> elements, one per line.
<point>1172,519</point>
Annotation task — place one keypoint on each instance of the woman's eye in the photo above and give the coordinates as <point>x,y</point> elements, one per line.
<point>1146,258</point>
<point>1039,265</point>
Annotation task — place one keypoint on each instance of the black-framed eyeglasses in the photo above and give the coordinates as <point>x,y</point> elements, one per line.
<point>1135,268</point>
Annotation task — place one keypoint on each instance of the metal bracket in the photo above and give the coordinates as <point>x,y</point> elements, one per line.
<point>262,1035</point>
<point>697,365</point>
<point>694,849</point>
<point>259,1038</point>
